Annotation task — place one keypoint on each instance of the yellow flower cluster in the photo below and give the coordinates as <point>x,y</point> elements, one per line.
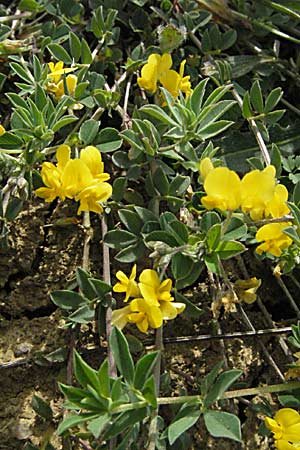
<point>286,429</point>
<point>56,83</point>
<point>158,69</point>
<point>152,302</point>
<point>257,194</point>
<point>82,179</point>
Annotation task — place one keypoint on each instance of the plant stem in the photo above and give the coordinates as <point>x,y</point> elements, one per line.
<point>255,129</point>
<point>153,423</point>
<point>106,279</point>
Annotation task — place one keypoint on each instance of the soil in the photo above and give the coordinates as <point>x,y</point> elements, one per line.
<point>42,256</point>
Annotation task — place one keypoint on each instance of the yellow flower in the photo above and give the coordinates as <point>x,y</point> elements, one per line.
<point>152,289</point>
<point>76,177</point>
<point>91,197</point>
<point>275,241</point>
<point>222,187</point>
<point>52,176</point>
<point>91,156</point>
<point>246,289</point>
<point>55,71</point>
<point>277,206</point>
<point>81,178</point>
<point>159,294</point>
<point>145,314</point>
<point>57,84</point>
<point>281,444</point>
<point>119,317</point>
<point>71,83</point>
<point>285,426</point>
<point>175,82</point>
<point>257,191</point>
<point>184,84</point>
<point>205,167</point>
<point>2,130</point>
<point>153,71</point>
<point>127,285</point>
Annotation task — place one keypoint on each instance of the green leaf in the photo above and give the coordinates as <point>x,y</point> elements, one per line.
<point>162,236</point>
<point>209,379</point>
<point>125,420</point>
<point>103,375</point>
<point>119,238</point>
<point>101,288</point>
<point>149,392</point>
<point>296,193</point>
<point>160,181</point>
<point>158,113</point>
<point>185,419</point>
<point>145,214</point>
<point>228,249</point>
<point>75,46</point>
<point>292,233</point>
<point>29,5</point>
<point>86,55</point>
<point>88,131</point>
<point>212,262</point>
<point>66,120</point>
<point>83,280</point>
<point>121,353</point>
<point>14,207</point>
<point>213,237</point>
<point>84,314</point>
<point>225,380</point>
<point>144,368</point>
<point>97,425</point>
<point>213,129</point>
<point>223,424</point>
<point>74,420</point>
<point>132,253</point>
<point>41,407</point>
<point>256,97</point>
<point>131,220</point>
<point>209,219</point>
<point>236,229</point>
<point>68,299</point>
<point>179,185</point>
<point>247,111</point>
<point>109,140</point>
<point>22,72</point>
<point>185,270</point>
<point>197,96</point>
<point>273,98</point>
<point>59,53</point>
<point>84,373</point>
<point>296,213</point>
<point>228,39</point>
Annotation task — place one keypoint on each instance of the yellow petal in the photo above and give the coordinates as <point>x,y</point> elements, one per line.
<point>119,317</point>
<point>223,189</point>
<point>76,177</point>
<point>63,156</point>
<point>287,417</point>
<point>2,130</point>
<point>91,156</point>
<point>284,445</point>
<point>170,81</point>
<point>155,317</point>
<point>205,167</point>
<point>164,64</point>
<point>71,82</point>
